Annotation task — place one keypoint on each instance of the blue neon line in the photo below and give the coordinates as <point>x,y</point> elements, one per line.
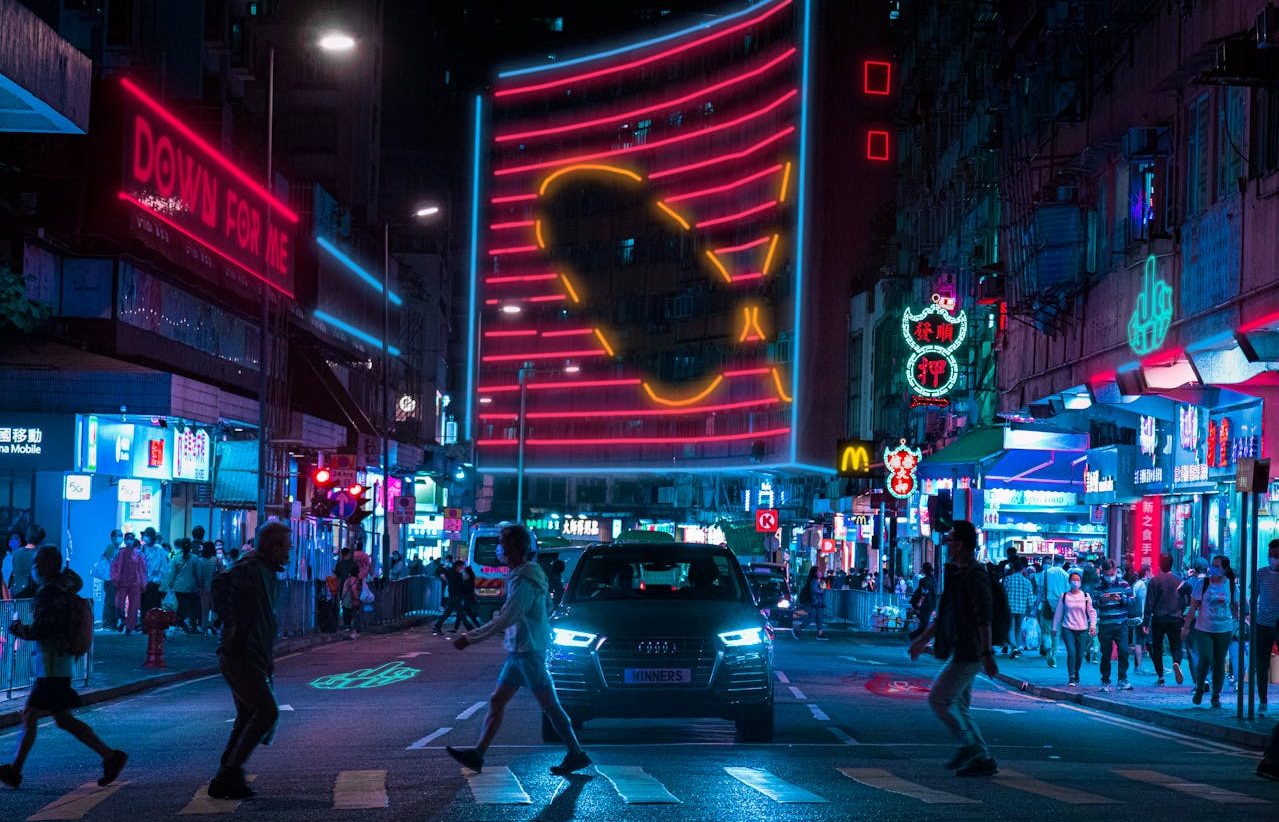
<point>629,469</point>
<point>363,336</point>
<point>356,269</point>
<point>801,195</point>
<point>61,124</point>
<point>652,41</point>
<point>475,269</point>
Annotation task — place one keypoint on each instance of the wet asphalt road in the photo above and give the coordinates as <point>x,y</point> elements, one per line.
<point>854,740</point>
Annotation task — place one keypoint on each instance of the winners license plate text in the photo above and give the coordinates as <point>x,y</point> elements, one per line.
<point>657,676</point>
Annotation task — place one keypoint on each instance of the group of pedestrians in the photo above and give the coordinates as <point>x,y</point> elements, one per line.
<point>458,596</point>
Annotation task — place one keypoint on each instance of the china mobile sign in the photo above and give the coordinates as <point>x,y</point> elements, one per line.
<point>183,189</point>
<point>1147,529</point>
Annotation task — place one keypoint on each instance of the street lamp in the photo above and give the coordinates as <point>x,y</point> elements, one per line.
<point>336,41</point>
<point>427,211</point>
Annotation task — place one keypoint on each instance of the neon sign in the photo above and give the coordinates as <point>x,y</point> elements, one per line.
<point>901,461</point>
<point>379,677</point>
<point>176,181</point>
<point>854,458</point>
<point>1152,315</point>
<point>933,335</point>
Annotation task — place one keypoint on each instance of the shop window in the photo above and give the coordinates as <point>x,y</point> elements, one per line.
<point>1197,155</point>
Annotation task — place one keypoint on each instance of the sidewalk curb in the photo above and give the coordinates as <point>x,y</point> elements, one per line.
<point>283,647</point>
<point>1212,730</point>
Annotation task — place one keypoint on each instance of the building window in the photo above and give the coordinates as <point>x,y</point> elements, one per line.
<point>1265,131</point>
<point>854,426</point>
<point>1197,157</point>
<point>626,251</point>
<point>1230,131</point>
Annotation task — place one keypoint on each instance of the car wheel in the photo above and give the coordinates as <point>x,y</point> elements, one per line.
<point>756,724</point>
<point>548,730</point>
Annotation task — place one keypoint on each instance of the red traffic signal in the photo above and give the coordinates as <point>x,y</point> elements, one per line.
<point>321,477</point>
<point>356,491</point>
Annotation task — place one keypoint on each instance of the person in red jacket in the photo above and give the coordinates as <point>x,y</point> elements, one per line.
<point>129,573</point>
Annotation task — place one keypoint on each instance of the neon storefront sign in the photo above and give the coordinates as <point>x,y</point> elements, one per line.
<point>902,462</point>
<point>933,335</point>
<point>1152,314</point>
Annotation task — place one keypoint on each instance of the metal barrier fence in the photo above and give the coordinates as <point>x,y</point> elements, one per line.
<point>17,669</point>
<point>858,610</point>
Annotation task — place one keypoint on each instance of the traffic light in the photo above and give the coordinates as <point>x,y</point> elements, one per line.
<point>322,483</point>
<point>363,504</point>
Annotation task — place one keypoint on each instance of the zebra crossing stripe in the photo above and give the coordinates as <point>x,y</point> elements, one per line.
<point>77,803</point>
<point>636,786</point>
<point>1022,782</point>
<point>360,789</point>
<point>1210,793</point>
<point>496,786</point>
<point>202,803</point>
<point>773,787</point>
<point>881,779</point>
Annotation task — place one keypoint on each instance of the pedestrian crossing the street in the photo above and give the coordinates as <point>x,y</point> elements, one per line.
<point>523,783</point>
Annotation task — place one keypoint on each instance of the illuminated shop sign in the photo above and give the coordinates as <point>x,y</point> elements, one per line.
<point>1147,532</point>
<point>997,497</point>
<point>581,528</point>
<point>902,462</point>
<point>853,457</point>
<point>176,183</point>
<point>1095,483</point>
<point>933,335</point>
<point>35,442</point>
<point>117,448</point>
<point>1152,313</point>
<point>192,454</point>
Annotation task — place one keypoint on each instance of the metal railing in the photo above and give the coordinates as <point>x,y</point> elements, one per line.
<point>866,610</point>
<point>17,666</point>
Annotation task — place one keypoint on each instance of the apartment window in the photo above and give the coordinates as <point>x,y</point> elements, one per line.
<point>1197,157</point>
<point>1230,131</point>
<point>1265,131</point>
<point>854,426</point>
<point>626,251</point>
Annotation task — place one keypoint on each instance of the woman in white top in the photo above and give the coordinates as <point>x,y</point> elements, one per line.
<point>1214,609</point>
<point>1075,613</point>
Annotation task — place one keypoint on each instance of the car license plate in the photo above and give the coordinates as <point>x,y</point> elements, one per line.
<point>488,592</point>
<point>657,676</point>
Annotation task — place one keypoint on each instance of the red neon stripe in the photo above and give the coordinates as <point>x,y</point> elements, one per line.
<point>726,187</point>
<point>729,249</point>
<point>516,249</point>
<point>728,218</point>
<point>546,355</point>
<point>523,332</point>
<point>643,61</point>
<point>523,278</point>
<point>513,198</point>
<point>749,372</point>
<point>668,104</point>
<point>514,224</point>
<point>679,138</point>
<point>723,158</point>
<point>171,224</point>
<point>757,275</point>
<point>186,132</point>
<point>499,416</point>
<point>570,332</point>
<point>548,298</point>
<point>651,412</point>
<point>538,386</point>
<point>746,435</point>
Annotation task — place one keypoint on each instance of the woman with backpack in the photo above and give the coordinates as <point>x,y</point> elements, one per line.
<point>62,626</point>
<point>1075,612</point>
<point>813,597</point>
<point>184,581</point>
<point>1214,609</point>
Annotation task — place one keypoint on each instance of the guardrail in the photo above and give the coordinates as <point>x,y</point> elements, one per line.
<point>858,609</point>
<point>17,668</point>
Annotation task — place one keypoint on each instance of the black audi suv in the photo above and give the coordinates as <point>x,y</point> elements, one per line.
<point>662,630</point>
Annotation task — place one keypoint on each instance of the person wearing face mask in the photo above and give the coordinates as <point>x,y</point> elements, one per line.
<point>21,584</point>
<point>1113,596</point>
<point>1161,619</point>
<point>6,564</point>
<point>1265,623</point>
<point>1214,608</point>
<point>1075,613</point>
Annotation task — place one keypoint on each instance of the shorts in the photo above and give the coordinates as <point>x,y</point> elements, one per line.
<point>53,694</point>
<point>526,670</point>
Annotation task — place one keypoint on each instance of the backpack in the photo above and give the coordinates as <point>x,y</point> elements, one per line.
<point>1001,616</point>
<point>805,595</point>
<point>80,626</point>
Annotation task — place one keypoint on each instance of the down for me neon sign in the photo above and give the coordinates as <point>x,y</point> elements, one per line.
<point>176,177</point>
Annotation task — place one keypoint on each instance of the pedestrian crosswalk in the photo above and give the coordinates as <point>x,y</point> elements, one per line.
<point>501,785</point>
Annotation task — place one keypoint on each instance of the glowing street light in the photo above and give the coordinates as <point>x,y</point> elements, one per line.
<point>427,211</point>
<point>511,309</point>
<point>572,369</point>
<point>337,41</point>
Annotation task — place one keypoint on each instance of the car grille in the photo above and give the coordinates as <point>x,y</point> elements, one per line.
<point>744,672</point>
<point>570,668</point>
<point>618,654</point>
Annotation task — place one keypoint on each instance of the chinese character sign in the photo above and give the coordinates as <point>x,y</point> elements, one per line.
<point>901,462</point>
<point>933,335</point>
<point>1147,532</point>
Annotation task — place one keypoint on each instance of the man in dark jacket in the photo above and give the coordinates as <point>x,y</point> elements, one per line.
<point>965,616</point>
<point>1162,618</point>
<point>1111,597</point>
<point>245,598</point>
<point>453,582</point>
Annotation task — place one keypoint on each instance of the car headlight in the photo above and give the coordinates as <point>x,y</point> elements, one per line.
<point>572,639</point>
<point>746,636</point>
<point>783,603</point>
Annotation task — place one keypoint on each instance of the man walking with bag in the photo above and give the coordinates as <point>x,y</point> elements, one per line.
<point>964,635</point>
<point>245,599</point>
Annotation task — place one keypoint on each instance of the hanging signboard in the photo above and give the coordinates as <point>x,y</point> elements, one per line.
<point>933,335</point>
<point>901,462</point>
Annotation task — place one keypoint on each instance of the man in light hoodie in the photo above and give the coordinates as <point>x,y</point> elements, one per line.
<point>526,633</point>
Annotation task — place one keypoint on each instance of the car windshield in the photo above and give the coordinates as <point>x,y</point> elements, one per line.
<point>768,588</point>
<point>486,551</point>
<point>657,572</point>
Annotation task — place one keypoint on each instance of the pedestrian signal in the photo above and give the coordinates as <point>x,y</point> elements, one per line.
<point>322,483</point>
<point>363,504</point>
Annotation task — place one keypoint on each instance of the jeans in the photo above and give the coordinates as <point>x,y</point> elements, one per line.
<point>1164,628</point>
<point>1118,635</point>
<point>188,610</point>
<point>815,614</point>
<point>452,607</point>
<point>1014,631</point>
<point>1047,637</point>
<point>256,711</point>
<point>127,603</point>
<point>110,615</point>
<point>924,619</point>
<point>1262,643</point>
<point>1212,648</point>
<point>951,698</point>
<point>1076,642</point>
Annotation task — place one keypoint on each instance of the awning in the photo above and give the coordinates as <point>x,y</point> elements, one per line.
<point>972,447</point>
<point>1029,455</point>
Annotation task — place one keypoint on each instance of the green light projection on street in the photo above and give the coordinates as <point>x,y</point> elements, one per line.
<point>1148,325</point>
<point>388,674</point>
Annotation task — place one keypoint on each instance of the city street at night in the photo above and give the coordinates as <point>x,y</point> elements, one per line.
<point>854,741</point>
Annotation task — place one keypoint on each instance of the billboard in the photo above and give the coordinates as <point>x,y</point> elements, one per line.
<point>636,262</point>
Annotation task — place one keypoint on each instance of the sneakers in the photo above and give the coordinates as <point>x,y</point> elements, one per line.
<point>962,757</point>
<point>1216,701</point>
<point>1125,685</point>
<point>572,762</point>
<point>1105,688</point>
<point>1159,683</point>
<point>1266,769</point>
<point>982,766</point>
<point>1177,674</point>
<point>1052,662</point>
<point>1074,683</point>
<point>821,636</point>
<point>1198,696</point>
<point>467,757</point>
<point>12,777</point>
<point>111,767</point>
<point>437,632</point>
<point>230,784</point>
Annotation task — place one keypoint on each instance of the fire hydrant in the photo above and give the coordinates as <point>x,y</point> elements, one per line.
<point>154,623</point>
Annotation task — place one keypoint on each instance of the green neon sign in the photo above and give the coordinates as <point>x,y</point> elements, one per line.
<point>388,674</point>
<point>1148,325</point>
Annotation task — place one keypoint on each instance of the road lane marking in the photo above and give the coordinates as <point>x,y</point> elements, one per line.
<point>864,661</point>
<point>881,779</point>
<point>842,735</point>
<point>185,683</point>
<point>286,707</point>
<point>1197,789</point>
<point>782,678</point>
<point>773,787</point>
<point>413,654</point>
<point>431,737</point>
<point>1022,782</point>
<point>360,789</point>
<point>798,693</point>
<point>1008,711</point>
<point>496,786</point>
<point>818,713</point>
<point>290,656</point>
<point>471,711</point>
<point>636,786</point>
<point>202,803</point>
<point>77,803</point>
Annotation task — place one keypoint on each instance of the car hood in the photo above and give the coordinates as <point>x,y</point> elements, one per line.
<point>662,618</point>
